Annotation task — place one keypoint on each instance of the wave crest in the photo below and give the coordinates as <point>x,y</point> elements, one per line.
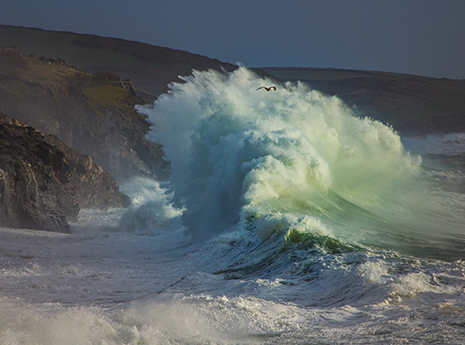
<point>238,153</point>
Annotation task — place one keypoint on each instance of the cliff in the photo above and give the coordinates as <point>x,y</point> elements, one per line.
<point>95,188</point>
<point>43,186</point>
<point>35,188</point>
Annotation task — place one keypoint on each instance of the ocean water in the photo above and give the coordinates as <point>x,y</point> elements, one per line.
<point>287,219</point>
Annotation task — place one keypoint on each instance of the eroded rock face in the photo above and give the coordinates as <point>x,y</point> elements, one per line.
<point>44,183</point>
<point>35,188</point>
<point>95,188</point>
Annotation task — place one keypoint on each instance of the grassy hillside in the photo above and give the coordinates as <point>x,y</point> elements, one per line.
<point>151,68</point>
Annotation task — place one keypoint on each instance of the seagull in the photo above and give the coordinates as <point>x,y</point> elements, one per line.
<point>267,88</point>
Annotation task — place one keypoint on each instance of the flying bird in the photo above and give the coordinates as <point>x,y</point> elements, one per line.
<point>267,88</point>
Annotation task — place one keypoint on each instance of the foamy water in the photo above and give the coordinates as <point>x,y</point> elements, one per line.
<point>287,220</point>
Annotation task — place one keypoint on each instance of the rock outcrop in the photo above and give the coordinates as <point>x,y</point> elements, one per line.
<point>35,188</point>
<point>42,185</point>
<point>95,188</point>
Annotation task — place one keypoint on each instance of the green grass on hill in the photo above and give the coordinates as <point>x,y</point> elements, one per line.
<point>105,96</point>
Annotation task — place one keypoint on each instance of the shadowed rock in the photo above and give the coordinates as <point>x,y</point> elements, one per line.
<point>35,188</point>
<point>42,185</point>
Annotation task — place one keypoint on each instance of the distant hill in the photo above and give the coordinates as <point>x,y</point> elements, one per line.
<point>413,105</point>
<point>151,68</point>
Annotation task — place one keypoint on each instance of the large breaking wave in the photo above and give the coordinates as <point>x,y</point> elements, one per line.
<point>295,165</point>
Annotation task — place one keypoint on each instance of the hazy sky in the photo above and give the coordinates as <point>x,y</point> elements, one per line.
<point>425,37</point>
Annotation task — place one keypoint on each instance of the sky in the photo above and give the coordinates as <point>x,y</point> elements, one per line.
<point>423,37</point>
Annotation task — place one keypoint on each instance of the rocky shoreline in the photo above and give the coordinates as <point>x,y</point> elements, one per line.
<point>43,186</point>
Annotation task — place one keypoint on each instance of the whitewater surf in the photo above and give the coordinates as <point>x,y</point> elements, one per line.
<point>287,219</point>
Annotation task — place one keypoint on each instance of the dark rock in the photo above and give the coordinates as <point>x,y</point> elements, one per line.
<point>43,183</point>
<point>95,188</point>
<point>35,187</point>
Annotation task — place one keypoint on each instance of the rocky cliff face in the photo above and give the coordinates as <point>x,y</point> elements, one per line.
<point>95,188</point>
<point>41,186</point>
<point>35,188</point>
